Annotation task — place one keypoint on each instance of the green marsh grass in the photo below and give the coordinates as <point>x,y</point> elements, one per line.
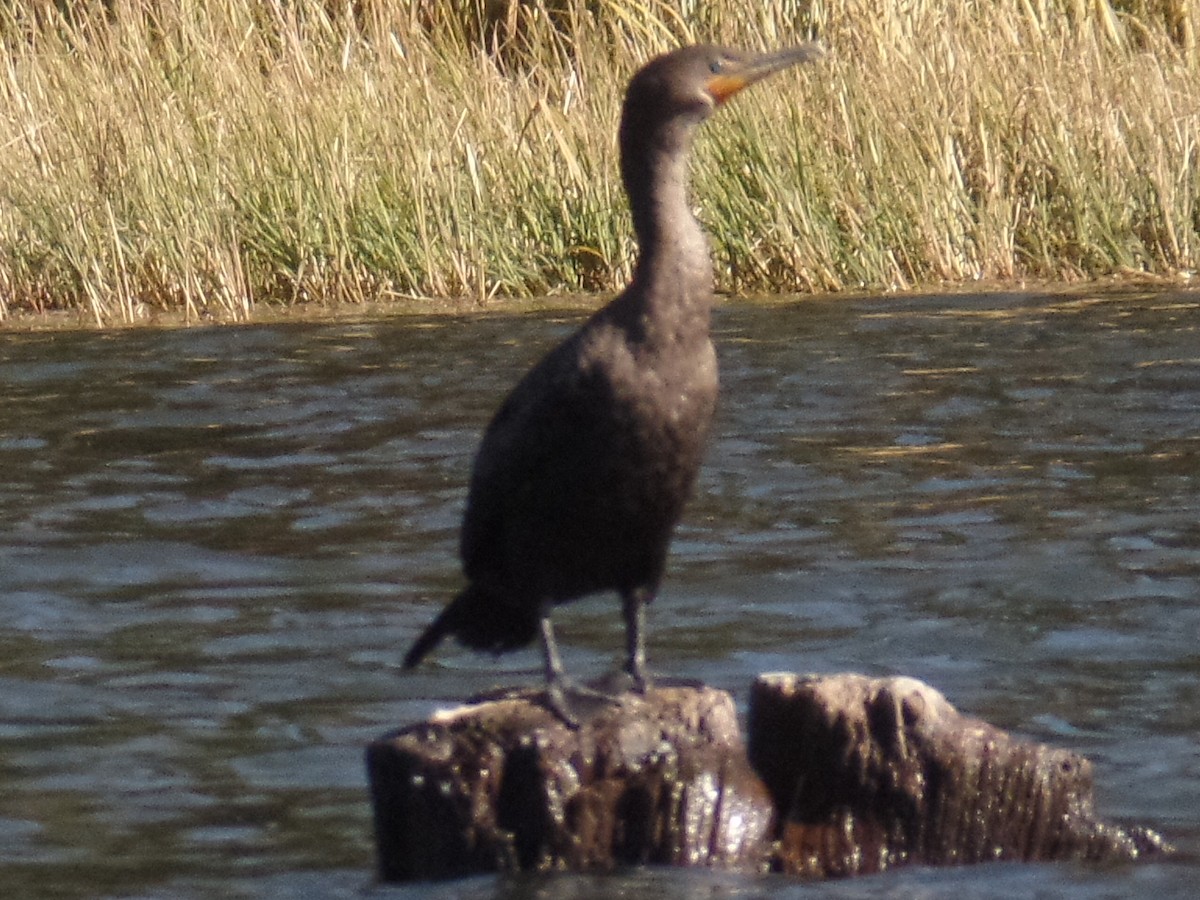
<point>203,156</point>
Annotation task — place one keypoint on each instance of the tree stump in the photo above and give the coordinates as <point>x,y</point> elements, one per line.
<point>844,775</point>
<point>871,773</point>
<point>504,785</point>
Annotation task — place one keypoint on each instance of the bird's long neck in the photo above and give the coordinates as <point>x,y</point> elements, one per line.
<point>673,276</point>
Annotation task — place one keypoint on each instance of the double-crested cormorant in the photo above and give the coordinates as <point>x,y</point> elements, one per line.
<point>584,471</point>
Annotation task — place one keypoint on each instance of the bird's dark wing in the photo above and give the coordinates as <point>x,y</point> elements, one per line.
<point>538,435</point>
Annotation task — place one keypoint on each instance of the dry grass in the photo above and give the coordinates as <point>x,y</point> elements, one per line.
<point>205,155</point>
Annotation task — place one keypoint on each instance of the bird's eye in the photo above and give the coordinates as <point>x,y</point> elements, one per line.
<point>716,66</point>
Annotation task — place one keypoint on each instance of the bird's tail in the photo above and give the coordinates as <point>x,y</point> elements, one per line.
<point>481,620</point>
<point>430,637</point>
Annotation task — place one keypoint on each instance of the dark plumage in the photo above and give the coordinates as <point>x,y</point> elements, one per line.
<point>584,471</point>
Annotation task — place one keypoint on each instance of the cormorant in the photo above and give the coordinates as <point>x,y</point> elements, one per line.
<point>584,471</point>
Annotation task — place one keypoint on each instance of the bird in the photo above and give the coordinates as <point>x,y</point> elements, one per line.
<point>583,472</point>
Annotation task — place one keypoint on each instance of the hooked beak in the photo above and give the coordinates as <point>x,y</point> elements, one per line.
<point>739,74</point>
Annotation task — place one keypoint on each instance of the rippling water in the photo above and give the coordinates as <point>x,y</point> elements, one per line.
<point>215,545</point>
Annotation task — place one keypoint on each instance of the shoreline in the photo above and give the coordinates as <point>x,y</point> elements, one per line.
<point>1112,288</point>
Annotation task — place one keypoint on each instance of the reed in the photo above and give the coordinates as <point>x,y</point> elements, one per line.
<point>204,156</point>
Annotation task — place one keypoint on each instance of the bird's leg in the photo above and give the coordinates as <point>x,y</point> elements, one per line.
<point>559,686</point>
<point>556,679</point>
<point>633,607</point>
<point>553,662</point>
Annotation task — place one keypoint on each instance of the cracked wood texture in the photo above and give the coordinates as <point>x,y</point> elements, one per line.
<point>844,775</point>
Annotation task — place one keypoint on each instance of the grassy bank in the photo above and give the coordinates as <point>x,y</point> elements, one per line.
<point>206,155</point>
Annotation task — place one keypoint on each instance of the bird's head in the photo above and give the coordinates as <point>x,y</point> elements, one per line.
<point>693,81</point>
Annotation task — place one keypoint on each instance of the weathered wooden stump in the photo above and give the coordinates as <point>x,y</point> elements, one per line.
<point>844,775</point>
<point>871,773</point>
<point>504,785</point>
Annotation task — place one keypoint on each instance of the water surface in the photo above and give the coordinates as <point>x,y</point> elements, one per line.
<point>215,545</point>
